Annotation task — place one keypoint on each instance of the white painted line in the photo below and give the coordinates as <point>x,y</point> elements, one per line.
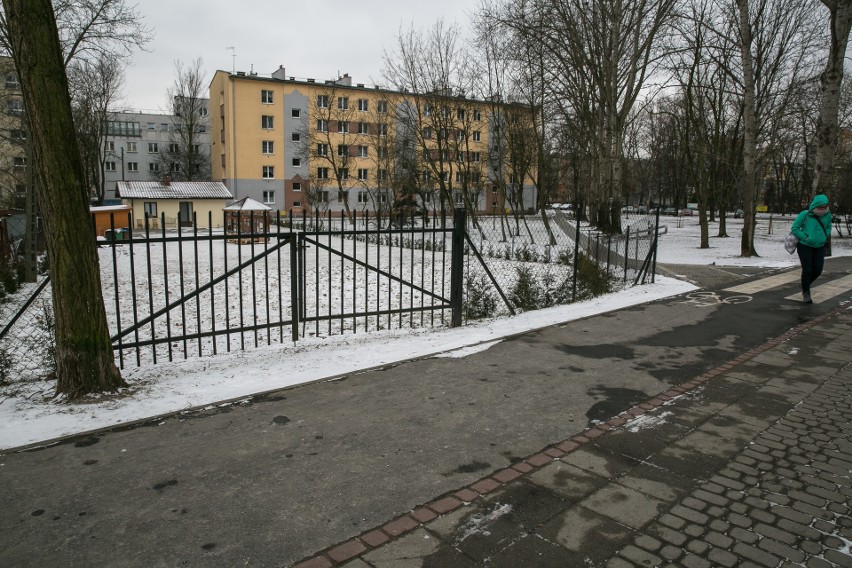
<point>766,283</point>
<point>827,291</point>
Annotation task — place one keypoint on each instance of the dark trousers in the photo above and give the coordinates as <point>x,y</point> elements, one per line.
<point>812,260</point>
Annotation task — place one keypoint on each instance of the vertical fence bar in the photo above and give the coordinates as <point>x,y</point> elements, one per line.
<point>166,283</point>
<point>240,278</point>
<point>213,288</point>
<point>295,309</point>
<point>422,265</point>
<point>576,258</point>
<point>253,277</point>
<point>115,284</point>
<point>133,291</point>
<point>367,270</point>
<point>355,245</point>
<point>390,273</point>
<point>379,265</point>
<point>150,288</point>
<point>182,290</point>
<point>197,278</point>
<point>328,257</point>
<point>457,267</point>
<point>278,254</point>
<point>342,267</point>
<point>626,253</point>
<point>227,295</point>
<point>315,221</point>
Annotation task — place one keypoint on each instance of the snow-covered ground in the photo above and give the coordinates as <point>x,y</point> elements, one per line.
<point>174,386</point>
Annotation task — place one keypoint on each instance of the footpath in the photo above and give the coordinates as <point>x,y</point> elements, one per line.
<point>748,464</point>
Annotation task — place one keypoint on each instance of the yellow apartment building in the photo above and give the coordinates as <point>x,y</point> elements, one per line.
<point>319,146</point>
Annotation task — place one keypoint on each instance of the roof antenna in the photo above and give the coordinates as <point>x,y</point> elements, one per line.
<point>233,59</point>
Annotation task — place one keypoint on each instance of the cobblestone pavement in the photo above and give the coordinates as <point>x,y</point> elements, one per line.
<point>747,465</point>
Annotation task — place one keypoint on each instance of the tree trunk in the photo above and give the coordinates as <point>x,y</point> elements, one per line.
<point>749,132</point>
<point>840,17</point>
<point>84,355</point>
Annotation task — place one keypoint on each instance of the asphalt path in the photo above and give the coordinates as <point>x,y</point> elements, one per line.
<point>273,480</point>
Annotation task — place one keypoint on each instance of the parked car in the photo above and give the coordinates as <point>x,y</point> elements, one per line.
<point>738,214</point>
<point>670,211</point>
<point>685,213</point>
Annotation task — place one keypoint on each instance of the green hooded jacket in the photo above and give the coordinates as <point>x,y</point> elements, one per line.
<point>811,229</point>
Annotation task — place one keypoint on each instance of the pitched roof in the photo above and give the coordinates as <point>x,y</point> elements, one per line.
<point>247,204</point>
<point>175,190</point>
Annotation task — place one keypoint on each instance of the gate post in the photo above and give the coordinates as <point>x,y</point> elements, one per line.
<point>457,267</point>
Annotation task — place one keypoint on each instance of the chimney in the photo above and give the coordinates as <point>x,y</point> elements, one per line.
<point>167,180</point>
<point>280,73</point>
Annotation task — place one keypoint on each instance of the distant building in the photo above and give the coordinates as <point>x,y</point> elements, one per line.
<point>303,145</point>
<point>134,144</point>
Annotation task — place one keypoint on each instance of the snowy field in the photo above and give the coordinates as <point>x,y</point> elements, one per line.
<point>227,378</point>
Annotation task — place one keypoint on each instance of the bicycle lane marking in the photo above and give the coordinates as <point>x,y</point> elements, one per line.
<point>705,299</point>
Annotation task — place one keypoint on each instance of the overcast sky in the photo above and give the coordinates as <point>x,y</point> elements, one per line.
<point>310,38</point>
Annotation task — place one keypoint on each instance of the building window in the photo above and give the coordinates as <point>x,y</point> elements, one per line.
<point>383,129</point>
<point>19,162</point>
<point>153,167</point>
<point>296,113</point>
<point>477,115</point>
<point>363,105</point>
<point>152,126</point>
<point>343,103</point>
<point>383,175</point>
<point>150,208</point>
<point>131,146</point>
<point>268,172</point>
<point>109,166</point>
<point>266,122</point>
<point>427,110</point>
<point>322,150</point>
<point>322,101</point>
<point>476,136</point>
<point>427,197</point>
<point>297,186</point>
<point>343,127</point>
<point>383,197</point>
<point>362,152</point>
<point>269,197</point>
<point>427,133</point>
<point>267,146</point>
<point>297,162</point>
<point>458,197</point>
<point>173,148</point>
<point>164,127</point>
<point>363,128</point>
<point>382,151</point>
<point>344,173</point>
<point>175,167</point>
<point>460,114</point>
<point>12,82</point>
<point>18,135</point>
<point>343,150</point>
<point>362,197</point>
<point>382,106</point>
<point>322,125</point>
<point>322,196</point>
<point>322,173</point>
<point>153,148</point>
<point>266,97</point>
<point>15,106</point>
<point>297,204</point>
<point>108,147</point>
<point>363,174</point>
<point>132,166</point>
<point>474,156</point>
<point>295,137</point>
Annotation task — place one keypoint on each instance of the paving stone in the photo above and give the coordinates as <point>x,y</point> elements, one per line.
<point>587,533</point>
<point>569,481</point>
<point>623,504</point>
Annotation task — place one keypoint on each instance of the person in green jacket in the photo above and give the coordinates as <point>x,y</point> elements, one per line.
<point>812,227</point>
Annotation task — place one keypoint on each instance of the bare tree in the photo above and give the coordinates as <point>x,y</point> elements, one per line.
<point>186,156</point>
<point>83,351</point>
<point>97,86</point>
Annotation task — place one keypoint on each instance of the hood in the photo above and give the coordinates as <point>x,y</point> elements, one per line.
<point>818,200</point>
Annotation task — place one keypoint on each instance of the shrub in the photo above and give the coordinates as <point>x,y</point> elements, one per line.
<point>479,298</point>
<point>527,293</point>
<point>591,279</point>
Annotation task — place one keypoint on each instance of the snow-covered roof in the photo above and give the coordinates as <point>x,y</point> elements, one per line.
<point>247,204</point>
<point>174,190</point>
